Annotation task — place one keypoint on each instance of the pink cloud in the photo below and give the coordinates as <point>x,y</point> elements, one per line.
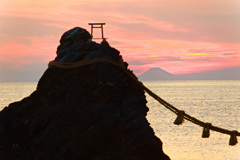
<point>181,57</point>
<point>40,50</point>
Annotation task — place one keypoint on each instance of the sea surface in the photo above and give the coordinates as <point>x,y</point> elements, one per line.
<point>216,102</point>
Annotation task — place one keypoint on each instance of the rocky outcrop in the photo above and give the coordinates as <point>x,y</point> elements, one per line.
<point>93,112</point>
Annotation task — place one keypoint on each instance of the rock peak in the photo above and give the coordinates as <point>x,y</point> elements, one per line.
<point>75,34</point>
<point>76,45</point>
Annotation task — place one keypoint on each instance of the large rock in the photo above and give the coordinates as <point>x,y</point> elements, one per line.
<point>93,112</point>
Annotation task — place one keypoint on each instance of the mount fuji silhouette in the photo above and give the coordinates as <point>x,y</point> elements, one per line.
<point>156,74</point>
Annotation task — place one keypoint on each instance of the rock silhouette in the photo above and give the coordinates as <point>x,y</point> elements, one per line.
<point>93,112</point>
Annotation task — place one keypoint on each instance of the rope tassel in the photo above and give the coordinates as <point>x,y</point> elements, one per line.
<point>179,120</point>
<point>233,139</point>
<point>206,131</point>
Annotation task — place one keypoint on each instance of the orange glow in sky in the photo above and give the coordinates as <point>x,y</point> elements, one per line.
<point>177,36</point>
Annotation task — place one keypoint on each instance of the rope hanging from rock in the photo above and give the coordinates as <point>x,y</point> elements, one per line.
<point>179,120</point>
<point>181,114</point>
<point>233,139</point>
<point>206,131</point>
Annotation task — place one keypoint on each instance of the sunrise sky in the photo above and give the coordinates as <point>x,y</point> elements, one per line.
<point>178,36</point>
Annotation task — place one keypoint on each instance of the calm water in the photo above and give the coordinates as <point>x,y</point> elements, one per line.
<point>216,102</point>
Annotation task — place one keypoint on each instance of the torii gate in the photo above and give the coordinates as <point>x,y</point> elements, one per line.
<point>97,25</point>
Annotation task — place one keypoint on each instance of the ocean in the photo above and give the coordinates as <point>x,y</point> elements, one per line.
<point>216,102</point>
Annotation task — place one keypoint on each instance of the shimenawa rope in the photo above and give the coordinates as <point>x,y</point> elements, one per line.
<point>181,114</point>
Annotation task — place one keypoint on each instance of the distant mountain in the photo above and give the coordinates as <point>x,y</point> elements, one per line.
<point>230,73</point>
<point>156,74</point>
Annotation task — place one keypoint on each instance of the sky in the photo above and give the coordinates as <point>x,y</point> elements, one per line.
<point>178,36</point>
